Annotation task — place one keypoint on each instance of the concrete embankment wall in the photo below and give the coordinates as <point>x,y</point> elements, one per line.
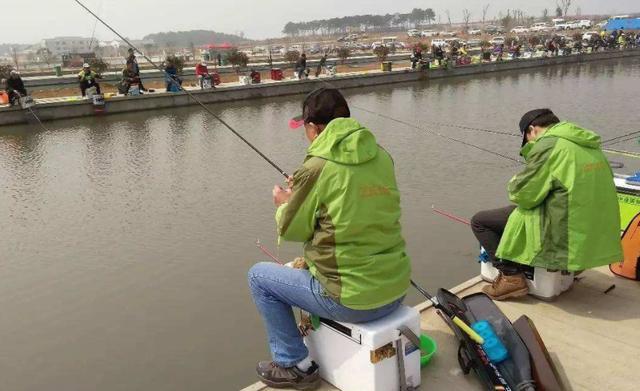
<point>61,110</point>
<point>71,80</point>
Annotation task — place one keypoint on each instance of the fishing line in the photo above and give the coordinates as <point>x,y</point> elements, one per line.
<point>498,132</point>
<point>440,135</point>
<point>622,138</point>
<point>205,108</point>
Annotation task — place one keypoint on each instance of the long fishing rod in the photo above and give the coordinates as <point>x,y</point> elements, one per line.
<point>192,96</point>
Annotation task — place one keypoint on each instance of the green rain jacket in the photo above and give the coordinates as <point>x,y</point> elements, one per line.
<point>568,216</point>
<point>345,207</point>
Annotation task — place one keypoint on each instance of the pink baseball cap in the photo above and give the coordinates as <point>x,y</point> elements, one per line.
<point>296,122</point>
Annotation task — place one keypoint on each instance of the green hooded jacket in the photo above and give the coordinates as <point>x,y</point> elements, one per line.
<point>345,207</point>
<point>568,216</point>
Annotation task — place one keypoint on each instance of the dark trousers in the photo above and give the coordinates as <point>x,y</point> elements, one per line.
<point>488,227</point>
<point>88,84</point>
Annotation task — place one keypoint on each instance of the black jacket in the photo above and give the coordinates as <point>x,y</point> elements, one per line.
<point>16,84</point>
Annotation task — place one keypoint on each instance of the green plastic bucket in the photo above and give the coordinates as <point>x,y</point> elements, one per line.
<point>429,347</point>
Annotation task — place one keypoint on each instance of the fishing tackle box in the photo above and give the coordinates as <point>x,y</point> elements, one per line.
<point>364,357</point>
<point>543,284</point>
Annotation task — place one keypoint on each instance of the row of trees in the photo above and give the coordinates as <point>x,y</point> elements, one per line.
<point>360,22</point>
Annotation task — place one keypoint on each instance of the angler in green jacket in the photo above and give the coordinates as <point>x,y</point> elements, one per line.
<point>344,205</point>
<point>566,214</point>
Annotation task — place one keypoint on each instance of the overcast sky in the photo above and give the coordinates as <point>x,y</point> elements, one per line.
<point>30,21</point>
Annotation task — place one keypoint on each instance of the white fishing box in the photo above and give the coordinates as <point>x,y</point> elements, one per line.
<point>98,100</point>
<point>543,284</point>
<point>363,357</point>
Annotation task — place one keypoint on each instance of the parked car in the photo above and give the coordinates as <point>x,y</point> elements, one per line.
<point>562,26</point>
<point>573,24</point>
<point>540,27</point>
<point>438,42</point>
<point>491,29</point>
<point>587,36</point>
<point>519,30</point>
<point>448,33</point>
<point>376,45</point>
<point>497,41</point>
<point>475,32</point>
<point>450,41</point>
<point>586,24</point>
<point>428,33</point>
<point>474,43</point>
<point>414,33</point>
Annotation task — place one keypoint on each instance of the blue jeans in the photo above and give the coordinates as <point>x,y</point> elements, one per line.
<point>276,289</point>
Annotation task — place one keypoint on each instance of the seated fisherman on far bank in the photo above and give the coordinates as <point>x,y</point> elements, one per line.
<point>566,214</point>
<point>345,207</point>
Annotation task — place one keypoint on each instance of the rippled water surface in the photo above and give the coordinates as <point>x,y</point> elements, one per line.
<point>125,240</point>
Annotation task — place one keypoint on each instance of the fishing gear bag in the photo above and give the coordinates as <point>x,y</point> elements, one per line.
<point>630,266</point>
<point>512,374</point>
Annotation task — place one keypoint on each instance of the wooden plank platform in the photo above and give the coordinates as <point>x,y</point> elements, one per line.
<point>593,338</point>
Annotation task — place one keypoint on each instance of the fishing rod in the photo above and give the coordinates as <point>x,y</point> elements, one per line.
<point>450,216</point>
<point>191,95</point>
<point>459,322</point>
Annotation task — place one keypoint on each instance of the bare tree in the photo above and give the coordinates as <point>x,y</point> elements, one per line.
<point>448,16</point>
<point>466,16</point>
<point>564,5</point>
<point>485,9</point>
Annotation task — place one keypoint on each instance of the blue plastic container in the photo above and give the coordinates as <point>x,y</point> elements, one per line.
<point>493,346</point>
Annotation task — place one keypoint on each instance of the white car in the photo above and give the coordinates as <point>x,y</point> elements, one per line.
<point>540,27</point>
<point>475,32</point>
<point>519,30</point>
<point>562,26</point>
<point>448,33</point>
<point>574,24</point>
<point>438,42</point>
<point>428,33</point>
<point>497,41</point>
<point>586,24</point>
<point>450,41</point>
<point>587,36</point>
<point>414,33</point>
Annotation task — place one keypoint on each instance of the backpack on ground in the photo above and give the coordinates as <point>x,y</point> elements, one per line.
<point>630,266</point>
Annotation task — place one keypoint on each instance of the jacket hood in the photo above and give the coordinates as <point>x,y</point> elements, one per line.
<point>575,134</point>
<point>568,131</point>
<point>345,141</point>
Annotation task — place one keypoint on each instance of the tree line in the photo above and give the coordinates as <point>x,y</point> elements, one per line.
<point>360,23</point>
<point>190,38</point>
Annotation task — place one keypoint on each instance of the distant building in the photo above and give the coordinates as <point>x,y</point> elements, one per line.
<point>65,45</point>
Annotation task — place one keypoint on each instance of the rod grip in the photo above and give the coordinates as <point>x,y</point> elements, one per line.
<point>468,330</point>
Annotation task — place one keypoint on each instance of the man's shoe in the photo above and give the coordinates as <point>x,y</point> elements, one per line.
<point>275,376</point>
<point>507,287</point>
